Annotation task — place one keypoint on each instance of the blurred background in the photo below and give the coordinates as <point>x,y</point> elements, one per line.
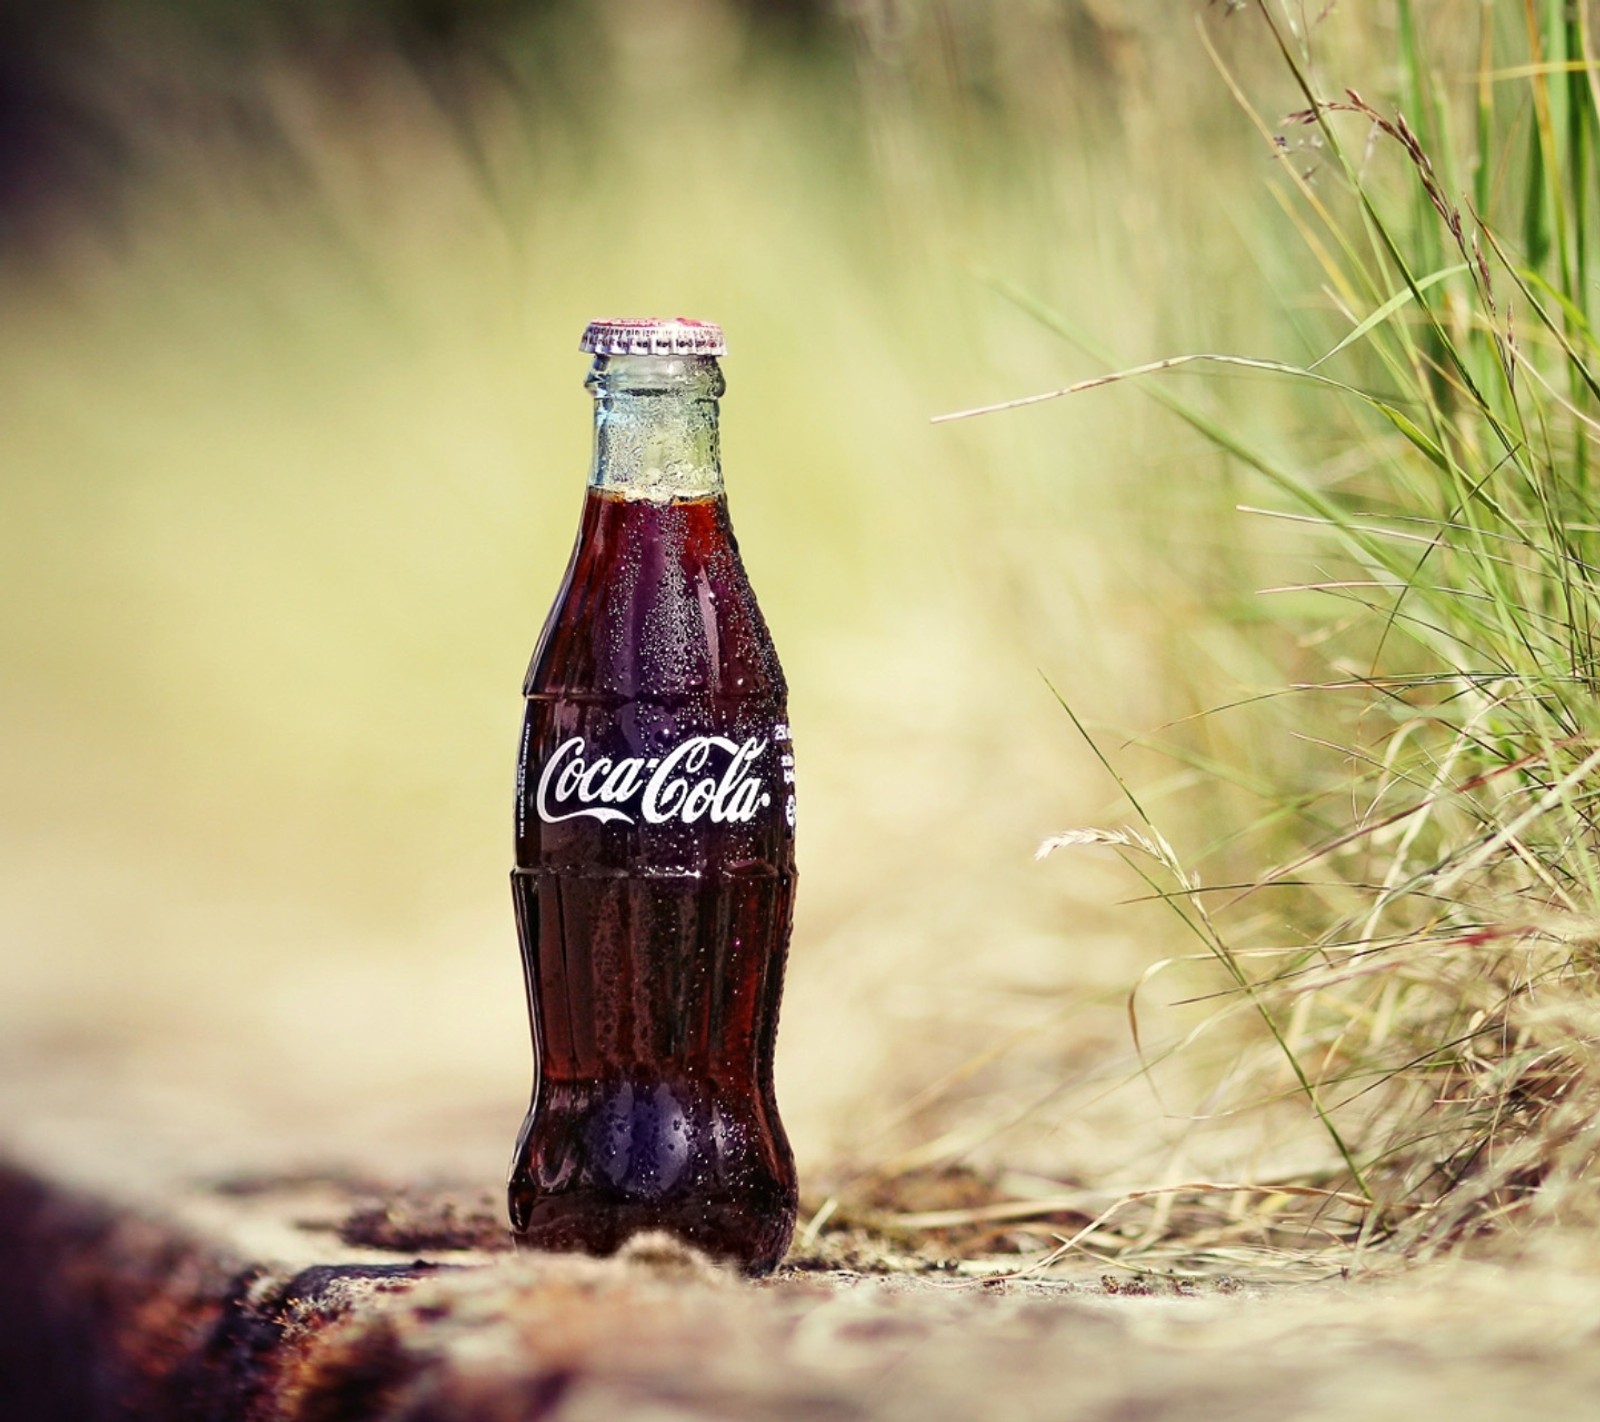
<point>293,442</point>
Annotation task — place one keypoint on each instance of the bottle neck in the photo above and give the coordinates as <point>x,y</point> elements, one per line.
<point>655,426</point>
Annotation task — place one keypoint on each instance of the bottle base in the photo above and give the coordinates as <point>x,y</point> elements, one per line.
<point>753,1241</point>
<point>599,1163</point>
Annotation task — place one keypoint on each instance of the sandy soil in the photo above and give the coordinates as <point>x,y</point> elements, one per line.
<point>366,1287</point>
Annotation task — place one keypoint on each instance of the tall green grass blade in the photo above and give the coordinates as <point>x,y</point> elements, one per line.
<point>1393,304</point>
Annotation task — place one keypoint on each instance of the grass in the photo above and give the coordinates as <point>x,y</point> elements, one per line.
<point>1433,1003</point>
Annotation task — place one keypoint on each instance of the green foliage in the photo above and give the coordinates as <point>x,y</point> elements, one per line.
<point>1444,855</point>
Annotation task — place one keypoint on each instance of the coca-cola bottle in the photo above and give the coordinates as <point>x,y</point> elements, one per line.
<point>654,877</point>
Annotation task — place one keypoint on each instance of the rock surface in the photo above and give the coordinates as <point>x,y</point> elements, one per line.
<point>130,1288</point>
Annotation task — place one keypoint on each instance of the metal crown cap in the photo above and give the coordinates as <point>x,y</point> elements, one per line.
<point>653,335</point>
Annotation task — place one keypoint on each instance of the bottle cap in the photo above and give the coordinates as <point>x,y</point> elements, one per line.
<point>671,335</point>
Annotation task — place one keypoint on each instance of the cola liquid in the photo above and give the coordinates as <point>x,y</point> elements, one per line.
<point>654,877</point>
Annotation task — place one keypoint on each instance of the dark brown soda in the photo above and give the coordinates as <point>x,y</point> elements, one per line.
<point>654,904</point>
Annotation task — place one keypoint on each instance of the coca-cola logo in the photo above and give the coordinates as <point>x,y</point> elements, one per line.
<point>703,777</point>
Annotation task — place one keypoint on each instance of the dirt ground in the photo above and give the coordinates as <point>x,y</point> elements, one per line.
<point>338,1285</point>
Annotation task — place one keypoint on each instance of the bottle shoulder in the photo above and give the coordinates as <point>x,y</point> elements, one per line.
<point>656,603</point>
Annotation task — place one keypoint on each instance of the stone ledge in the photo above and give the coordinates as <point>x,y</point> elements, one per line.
<point>132,1286</point>
<point>112,1309</point>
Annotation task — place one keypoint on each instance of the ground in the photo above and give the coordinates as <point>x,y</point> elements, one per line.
<point>135,1286</point>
